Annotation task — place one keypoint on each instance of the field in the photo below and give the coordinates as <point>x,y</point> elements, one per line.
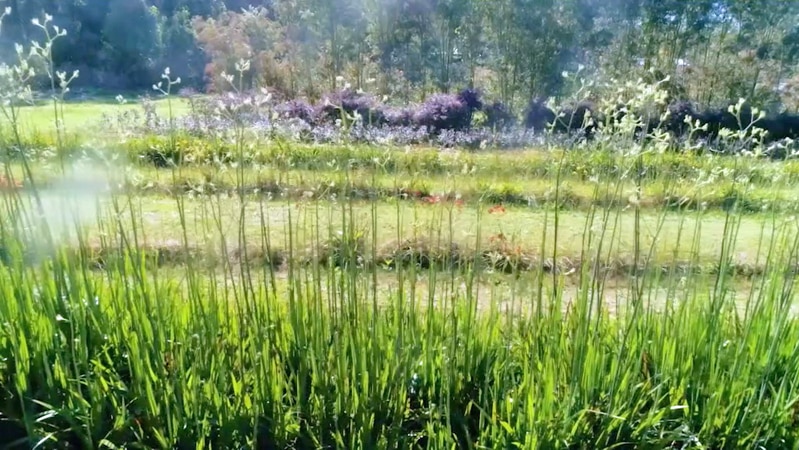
<point>263,293</point>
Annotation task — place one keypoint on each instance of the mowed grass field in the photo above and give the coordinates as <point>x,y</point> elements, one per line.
<point>86,115</point>
<point>273,294</point>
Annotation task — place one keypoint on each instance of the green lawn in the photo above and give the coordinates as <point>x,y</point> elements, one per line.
<point>85,117</point>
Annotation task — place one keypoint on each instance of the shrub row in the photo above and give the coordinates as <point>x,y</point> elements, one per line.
<point>672,118</point>
<point>439,112</point>
<point>466,120</point>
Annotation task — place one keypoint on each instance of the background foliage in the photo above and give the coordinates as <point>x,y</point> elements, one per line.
<point>714,50</point>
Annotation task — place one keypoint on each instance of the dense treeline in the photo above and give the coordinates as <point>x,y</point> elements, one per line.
<point>713,50</point>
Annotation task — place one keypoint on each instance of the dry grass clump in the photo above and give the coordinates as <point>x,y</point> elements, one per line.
<point>505,256</point>
<point>345,250</point>
<point>422,253</point>
<point>164,254</point>
<point>275,259</point>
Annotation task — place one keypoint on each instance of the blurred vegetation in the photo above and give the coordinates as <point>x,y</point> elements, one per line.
<point>713,50</point>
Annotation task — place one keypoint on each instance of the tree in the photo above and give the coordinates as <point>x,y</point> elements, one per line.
<point>181,51</point>
<point>130,49</point>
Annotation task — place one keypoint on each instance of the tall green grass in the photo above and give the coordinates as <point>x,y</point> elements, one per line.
<point>332,355</point>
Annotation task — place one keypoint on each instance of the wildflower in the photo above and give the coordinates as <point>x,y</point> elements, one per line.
<point>5,183</point>
<point>432,199</point>
<point>496,209</point>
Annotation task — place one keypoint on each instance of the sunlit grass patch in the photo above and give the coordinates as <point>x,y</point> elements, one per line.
<point>85,118</point>
<point>671,235</point>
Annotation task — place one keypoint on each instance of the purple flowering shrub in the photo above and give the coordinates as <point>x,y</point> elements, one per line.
<point>398,117</point>
<point>471,99</point>
<point>443,120</point>
<point>448,112</point>
<point>441,111</point>
<point>351,102</point>
<point>498,116</point>
<point>296,109</point>
<point>538,116</point>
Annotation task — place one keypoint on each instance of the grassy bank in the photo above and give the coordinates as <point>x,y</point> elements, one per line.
<point>600,178</point>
